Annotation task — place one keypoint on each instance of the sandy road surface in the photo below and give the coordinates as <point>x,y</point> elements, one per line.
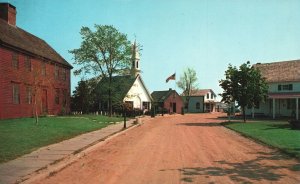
<point>180,149</point>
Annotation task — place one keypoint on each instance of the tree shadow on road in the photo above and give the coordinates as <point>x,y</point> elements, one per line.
<point>250,171</point>
<point>212,124</point>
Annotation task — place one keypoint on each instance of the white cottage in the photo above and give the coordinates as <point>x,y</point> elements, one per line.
<point>283,79</point>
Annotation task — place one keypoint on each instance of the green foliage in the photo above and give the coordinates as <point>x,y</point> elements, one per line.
<point>244,85</point>
<point>21,136</point>
<point>106,52</point>
<point>84,98</point>
<point>274,133</point>
<point>187,81</point>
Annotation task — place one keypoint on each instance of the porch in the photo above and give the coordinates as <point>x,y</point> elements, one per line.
<point>284,104</point>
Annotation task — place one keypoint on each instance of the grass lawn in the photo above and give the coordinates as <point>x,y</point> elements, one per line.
<point>21,136</point>
<point>274,133</point>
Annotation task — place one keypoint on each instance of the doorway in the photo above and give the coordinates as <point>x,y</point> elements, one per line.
<point>44,101</point>
<point>174,107</point>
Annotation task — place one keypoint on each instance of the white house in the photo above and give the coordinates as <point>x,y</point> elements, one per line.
<point>283,79</point>
<point>202,100</point>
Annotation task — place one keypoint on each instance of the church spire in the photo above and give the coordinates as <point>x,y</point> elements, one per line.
<point>135,68</point>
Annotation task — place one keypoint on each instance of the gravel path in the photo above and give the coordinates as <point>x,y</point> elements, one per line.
<point>192,148</point>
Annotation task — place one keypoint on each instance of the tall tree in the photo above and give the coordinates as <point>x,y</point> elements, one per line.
<point>188,82</point>
<point>106,52</point>
<point>82,98</point>
<point>244,85</point>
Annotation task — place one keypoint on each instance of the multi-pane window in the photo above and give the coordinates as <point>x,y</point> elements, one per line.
<point>56,96</point>
<point>146,105</point>
<point>56,72</point>
<point>15,60</point>
<point>64,97</point>
<point>64,74</point>
<point>16,93</point>
<point>27,63</point>
<point>43,68</point>
<point>197,105</point>
<point>211,96</point>
<point>285,87</point>
<point>28,95</point>
<point>207,96</point>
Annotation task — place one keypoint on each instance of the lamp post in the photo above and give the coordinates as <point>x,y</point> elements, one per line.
<point>124,115</point>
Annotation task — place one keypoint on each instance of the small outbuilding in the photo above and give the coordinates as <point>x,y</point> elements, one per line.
<point>168,100</point>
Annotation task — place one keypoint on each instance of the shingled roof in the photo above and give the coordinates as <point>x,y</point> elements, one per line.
<point>16,38</point>
<point>284,71</point>
<point>120,85</point>
<point>201,92</point>
<point>160,96</point>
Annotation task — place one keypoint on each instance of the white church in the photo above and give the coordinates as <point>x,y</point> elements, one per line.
<point>138,95</point>
<point>131,88</point>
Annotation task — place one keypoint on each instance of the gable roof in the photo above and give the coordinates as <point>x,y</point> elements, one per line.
<point>284,71</point>
<point>17,38</point>
<point>161,96</point>
<point>120,85</point>
<point>142,81</point>
<point>201,92</point>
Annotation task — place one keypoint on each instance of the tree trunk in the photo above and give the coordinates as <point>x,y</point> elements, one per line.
<point>109,98</point>
<point>244,114</point>
<point>188,102</point>
<point>36,112</point>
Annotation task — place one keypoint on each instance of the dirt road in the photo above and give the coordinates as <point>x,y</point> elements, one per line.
<point>180,149</point>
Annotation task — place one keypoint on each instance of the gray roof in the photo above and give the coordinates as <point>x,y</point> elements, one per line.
<point>120,85</point>
<point>18,39</point>
<point>160,96</point>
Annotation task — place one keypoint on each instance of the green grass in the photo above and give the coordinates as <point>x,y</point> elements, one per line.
<point>274,133</point>
<point>21,136</point>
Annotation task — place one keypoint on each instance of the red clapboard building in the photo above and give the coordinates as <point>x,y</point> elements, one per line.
<point>33,76</point>
<point>169,100</point>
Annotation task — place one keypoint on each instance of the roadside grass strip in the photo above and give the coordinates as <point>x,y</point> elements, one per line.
<point>22,136</point>
<point>277,134</point>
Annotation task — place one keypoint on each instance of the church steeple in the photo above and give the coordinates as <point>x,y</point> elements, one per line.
<point>135,59</point>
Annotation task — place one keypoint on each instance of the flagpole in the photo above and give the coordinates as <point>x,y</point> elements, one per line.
<point>174,93</point>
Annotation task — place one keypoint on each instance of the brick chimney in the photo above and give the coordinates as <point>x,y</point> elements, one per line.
<point>8,13</point>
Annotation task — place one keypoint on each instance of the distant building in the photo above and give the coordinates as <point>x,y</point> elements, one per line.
<point>169,100</point>
<point>29,68</point>
<point>129,89</point>
<point>209,98</point>
<point>195,104</point>
<point>221,107</point>
<point>283,79</point>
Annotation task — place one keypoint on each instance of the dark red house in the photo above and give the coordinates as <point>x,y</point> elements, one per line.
<point>170,100</point>
<point>33,76</point>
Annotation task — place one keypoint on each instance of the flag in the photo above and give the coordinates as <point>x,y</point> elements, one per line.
<point>172,77</point>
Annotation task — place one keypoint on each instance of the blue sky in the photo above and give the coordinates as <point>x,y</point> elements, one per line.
<point>206,35</point>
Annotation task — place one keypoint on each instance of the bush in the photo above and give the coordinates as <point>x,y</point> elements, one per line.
<point>295,124</point>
